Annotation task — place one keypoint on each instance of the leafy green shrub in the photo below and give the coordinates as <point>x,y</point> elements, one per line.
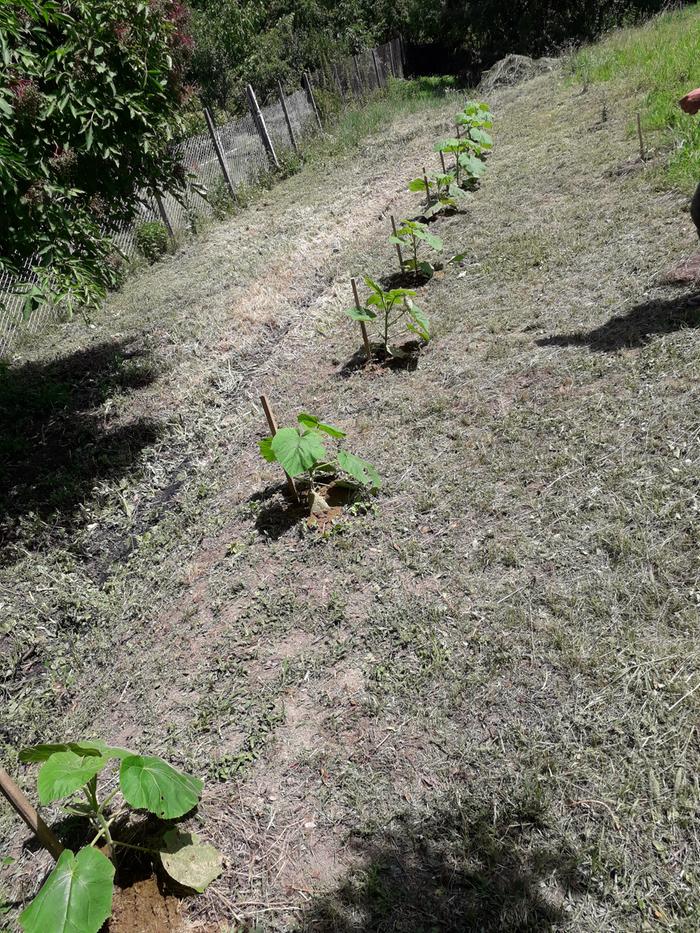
<point>86,124</point>
<point>152,239</point>
<point>301,452</point>
<point>386,309</point>
<point>77,895</point>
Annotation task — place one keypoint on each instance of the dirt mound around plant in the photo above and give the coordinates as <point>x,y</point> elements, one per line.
<point>515,69</point>
<point>143,908</point>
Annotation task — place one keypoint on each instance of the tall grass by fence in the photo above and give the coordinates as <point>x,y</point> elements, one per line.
<point>228,158</point>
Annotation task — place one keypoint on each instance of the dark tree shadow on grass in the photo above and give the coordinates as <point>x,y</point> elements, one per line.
<point>55,439</point>
<point>637,327</point>
<point>467,867</point>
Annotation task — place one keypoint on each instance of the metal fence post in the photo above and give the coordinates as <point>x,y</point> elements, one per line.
<point>306,81</point>
<point>376,68</point>
<point>219,151</point>
<point>285,111</point>
<point>164,217</point>
<point>259,121</point>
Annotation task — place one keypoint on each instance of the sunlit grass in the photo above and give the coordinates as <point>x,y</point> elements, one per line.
<point>660,60</point>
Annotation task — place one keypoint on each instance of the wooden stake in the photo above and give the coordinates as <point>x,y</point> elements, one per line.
<point>376,68</point>
<point>21,805</point>
<point>398,245</point>
<point>365,336</point>
<point>273,430</point>
<point>360,82</point>
<point>427,186</point>
<point>642,148</point>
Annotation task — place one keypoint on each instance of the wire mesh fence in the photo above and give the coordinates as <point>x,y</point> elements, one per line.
<point>224,161</point>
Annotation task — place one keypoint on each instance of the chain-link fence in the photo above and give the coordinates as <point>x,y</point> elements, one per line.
<point>226,160</point>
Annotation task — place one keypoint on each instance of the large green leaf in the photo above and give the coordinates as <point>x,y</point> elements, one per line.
<point>149,783</point>
<point>188,861</point>
<point>359,469</point>
<point>416,185</point>
<point>75,898</point>
<point>298,452</point>
<point>266,450</point>
<point>433,241</point>
<point>472,164</point>
<point>65,772</point>
<point>309,421</point>
<point>420,325</point>
<point>361,314</point>
<point>90,747</point>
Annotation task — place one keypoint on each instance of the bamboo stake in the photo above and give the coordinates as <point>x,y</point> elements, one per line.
<point>365,337</point>
<point>20,803</point>
<point>398,245</point>
<point>273,430</point>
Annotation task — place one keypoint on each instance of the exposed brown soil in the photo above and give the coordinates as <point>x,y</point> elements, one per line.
<point>144,908</point>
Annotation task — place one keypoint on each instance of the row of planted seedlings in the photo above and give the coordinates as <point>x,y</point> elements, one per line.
<point>133,801</point>
<point>322,483</point>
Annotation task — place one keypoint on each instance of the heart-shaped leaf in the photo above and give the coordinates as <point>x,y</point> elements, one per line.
<point>359,469</point>
<point>309,421</point>
<point>188,861</point>
<point>93,747</point>
<point>65,772</point>
<point>298,452</point>
<point>152,784</point>
<point>75,898</point>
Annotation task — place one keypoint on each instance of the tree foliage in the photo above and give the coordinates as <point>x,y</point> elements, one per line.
<point>90,95</point>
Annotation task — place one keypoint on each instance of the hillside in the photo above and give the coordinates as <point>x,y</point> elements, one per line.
<point>472,705</point>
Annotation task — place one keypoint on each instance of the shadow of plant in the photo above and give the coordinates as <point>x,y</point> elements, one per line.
<point>486,866</point>
<point>637,327</point>
<point>55,438</point>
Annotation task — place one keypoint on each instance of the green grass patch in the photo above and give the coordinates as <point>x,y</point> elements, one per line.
<point>350,127</point>
<point>661,61</point>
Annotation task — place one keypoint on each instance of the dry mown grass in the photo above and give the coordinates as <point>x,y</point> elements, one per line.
<point>475,706</point>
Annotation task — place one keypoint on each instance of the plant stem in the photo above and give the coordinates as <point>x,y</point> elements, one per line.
<point>415,255</point>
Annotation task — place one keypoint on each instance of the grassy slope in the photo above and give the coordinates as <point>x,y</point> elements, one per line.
<point>470,708</point>
<point>659,63</point>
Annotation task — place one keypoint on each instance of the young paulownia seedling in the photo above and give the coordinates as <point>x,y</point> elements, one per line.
<point>300,451</point>
<point>77,895</point>
<point>443,194</point>
<point>386,309</point>
<point>411,235</point>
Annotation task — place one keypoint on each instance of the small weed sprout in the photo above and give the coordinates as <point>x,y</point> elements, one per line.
<point>386,309</point>
<point>410,235</point>
<point>77,895</point>
<point>300,451</point>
